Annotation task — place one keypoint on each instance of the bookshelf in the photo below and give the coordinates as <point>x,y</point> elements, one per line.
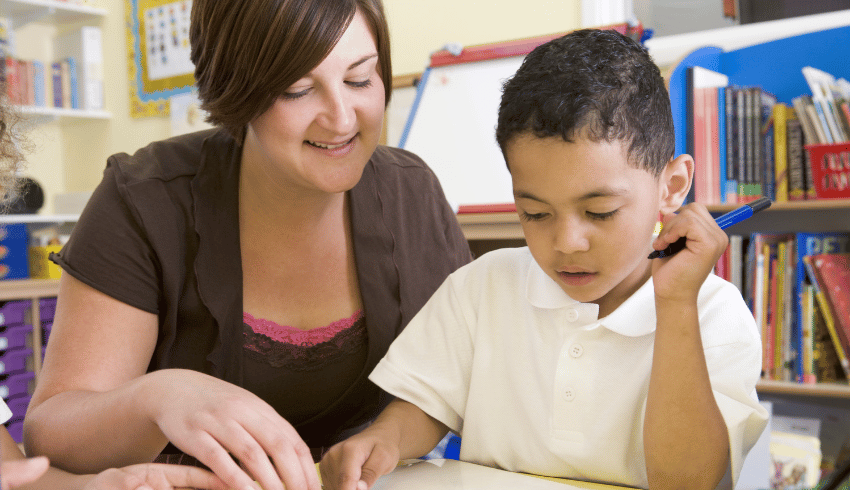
<point>22,12</point>
<point>57,14</point>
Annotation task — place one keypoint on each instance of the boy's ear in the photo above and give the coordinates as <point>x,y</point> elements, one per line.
<point>676,180</point>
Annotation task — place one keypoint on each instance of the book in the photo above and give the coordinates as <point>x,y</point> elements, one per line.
<point>703,132</point>
<point>796,162</point>
<point>809,244</point>
<point>833,276</point>
<point>820,83</point>
<point>83,47</point>
<point>780,146</point>
<point>56,78</point>
<point>39,84</point>
<point>807,362</point>
<point>13,81</point>
<point>730,122</point>
<point>73,82</point>
<point>828,321</point>
<point>65,83</point>
<point>826,362</point>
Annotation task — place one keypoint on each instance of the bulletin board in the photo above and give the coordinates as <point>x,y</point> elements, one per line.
<point>158,61</point>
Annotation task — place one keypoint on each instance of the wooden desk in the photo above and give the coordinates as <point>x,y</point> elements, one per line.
<point>446,474</point>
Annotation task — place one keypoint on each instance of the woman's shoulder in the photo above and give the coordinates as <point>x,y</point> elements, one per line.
<point>396,157</point>
<point>174,157</point>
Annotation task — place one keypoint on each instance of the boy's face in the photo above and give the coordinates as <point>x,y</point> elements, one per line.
<point>587,215</point>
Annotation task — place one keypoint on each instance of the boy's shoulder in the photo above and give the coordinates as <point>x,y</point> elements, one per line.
<point>497,269</point>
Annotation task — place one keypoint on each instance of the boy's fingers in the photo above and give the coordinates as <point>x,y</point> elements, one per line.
<point>378,464</point>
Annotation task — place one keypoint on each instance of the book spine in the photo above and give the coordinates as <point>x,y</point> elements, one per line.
<point>56,76</point>
<point>796,177</point>
<point>731,121</point>
<point>39,83</point>
<point>780,151</point>
<point>741,141</point>
<point>74,86</point>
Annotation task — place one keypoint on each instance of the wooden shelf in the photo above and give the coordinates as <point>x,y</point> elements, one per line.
<point>813,205</point>
<point>28,288</point>
<point>52,11</point>
<point>833,390</point>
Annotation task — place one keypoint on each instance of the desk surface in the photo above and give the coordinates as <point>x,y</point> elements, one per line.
<point>444,474</point>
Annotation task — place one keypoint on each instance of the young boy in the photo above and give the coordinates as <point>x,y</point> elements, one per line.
<point>578,356</point>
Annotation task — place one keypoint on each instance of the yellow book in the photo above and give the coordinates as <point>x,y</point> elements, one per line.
<point>780,150</point>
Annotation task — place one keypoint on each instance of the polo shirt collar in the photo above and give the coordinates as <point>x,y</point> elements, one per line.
<point>634,318</point>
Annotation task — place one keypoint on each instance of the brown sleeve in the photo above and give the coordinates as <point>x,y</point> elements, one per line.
<point>108,249</point>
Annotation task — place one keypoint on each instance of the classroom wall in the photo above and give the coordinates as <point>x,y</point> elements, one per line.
<point>70,156</point>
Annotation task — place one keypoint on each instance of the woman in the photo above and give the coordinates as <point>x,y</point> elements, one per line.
<point>230,290</point>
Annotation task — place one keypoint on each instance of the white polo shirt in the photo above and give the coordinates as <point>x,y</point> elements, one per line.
<point>534,382</point>
<point>5,413</point>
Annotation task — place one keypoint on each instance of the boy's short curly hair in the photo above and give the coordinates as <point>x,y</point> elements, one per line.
<point>595,84</point>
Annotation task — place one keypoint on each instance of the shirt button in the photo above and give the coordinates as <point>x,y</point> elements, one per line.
<point>569,394</point>
<point>576,350</point>
<point>572,315</point>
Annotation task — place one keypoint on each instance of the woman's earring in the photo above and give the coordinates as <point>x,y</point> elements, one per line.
<point>658,225</point>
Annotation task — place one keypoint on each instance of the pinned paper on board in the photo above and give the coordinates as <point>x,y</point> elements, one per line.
<point>158,54</point>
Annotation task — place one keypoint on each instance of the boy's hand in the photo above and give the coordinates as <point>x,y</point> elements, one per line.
<point>151,476</point>
<point>357,462</point>
<point>680,277</point>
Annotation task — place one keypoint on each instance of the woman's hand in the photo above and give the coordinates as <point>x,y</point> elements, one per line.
<point>223,426</point>
<point>152,476</point>
<point>19,472</point>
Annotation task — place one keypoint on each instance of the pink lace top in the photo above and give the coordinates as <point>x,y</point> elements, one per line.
<point>286,346</point>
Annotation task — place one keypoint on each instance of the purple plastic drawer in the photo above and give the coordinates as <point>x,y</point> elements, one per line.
<point>13,312</point>
<point>18,406</point>
<point>47,309</point>
<point>17,384</point>
<point>16,430</point>
<point>15,361</point>
<point>16,337</point>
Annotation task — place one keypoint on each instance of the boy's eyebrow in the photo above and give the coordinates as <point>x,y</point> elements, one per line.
<point>600,192</point>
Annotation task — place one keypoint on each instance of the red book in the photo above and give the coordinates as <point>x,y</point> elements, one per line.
<point>833,276</point>
<point>13,81</point>
<point>701,136</point>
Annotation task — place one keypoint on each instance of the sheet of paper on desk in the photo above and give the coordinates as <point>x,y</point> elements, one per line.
<point>442,474</point>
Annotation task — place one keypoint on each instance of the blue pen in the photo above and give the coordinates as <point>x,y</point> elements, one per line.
<point>725,221</point>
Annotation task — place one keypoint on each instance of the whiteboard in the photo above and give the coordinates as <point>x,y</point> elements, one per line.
<point>452,126</point>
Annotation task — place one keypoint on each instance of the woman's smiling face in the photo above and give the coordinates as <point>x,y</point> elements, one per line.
<point>322,131</point>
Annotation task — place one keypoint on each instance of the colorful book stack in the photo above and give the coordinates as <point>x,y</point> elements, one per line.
<point>74,81</point>
<point>803,316</point>
<point>763,129</point>
<point>746,144</point>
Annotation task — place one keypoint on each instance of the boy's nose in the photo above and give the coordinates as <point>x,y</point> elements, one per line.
<point>570,237</point>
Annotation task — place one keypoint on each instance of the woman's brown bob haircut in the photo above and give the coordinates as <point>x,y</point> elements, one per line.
<point>248,52</point>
